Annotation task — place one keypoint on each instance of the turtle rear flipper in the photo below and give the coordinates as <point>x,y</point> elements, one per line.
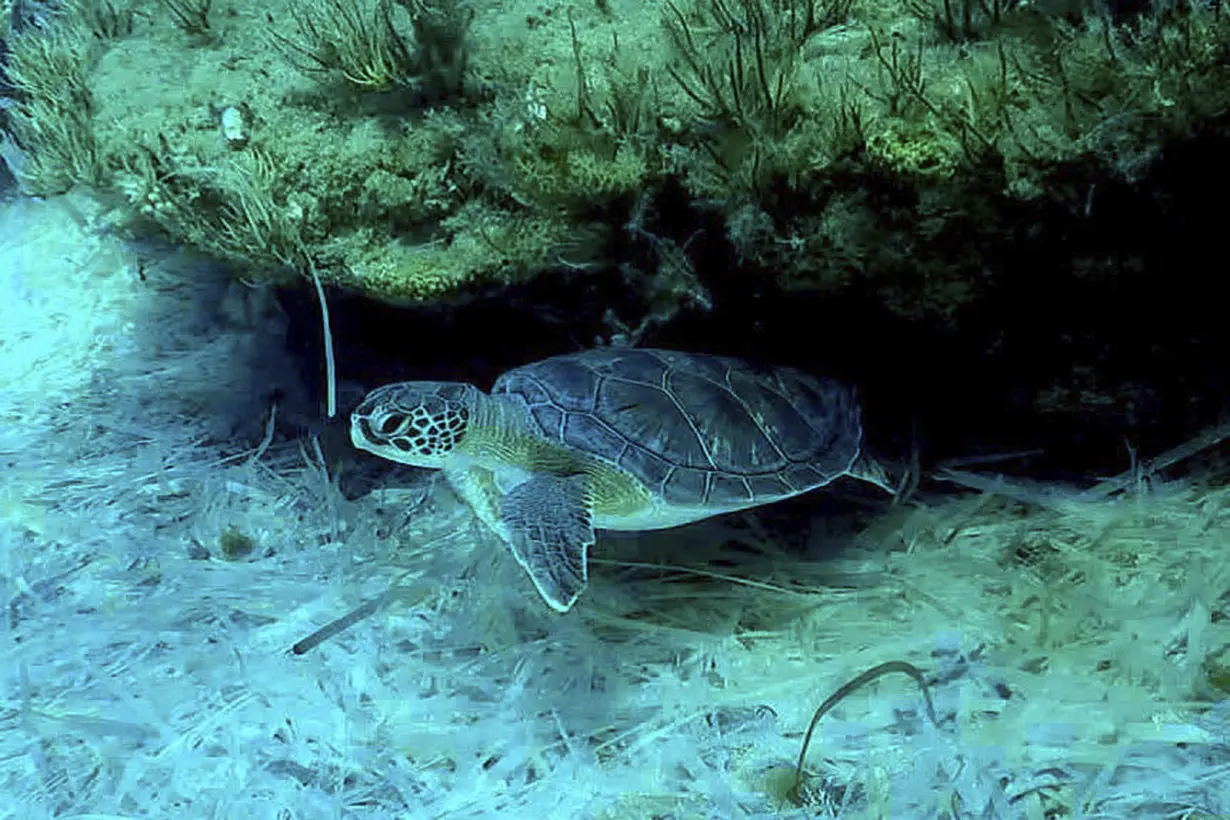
<point>867,468</point>
<point>550,529</point>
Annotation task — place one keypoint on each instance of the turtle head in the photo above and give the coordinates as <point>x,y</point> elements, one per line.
<point>419,423</point>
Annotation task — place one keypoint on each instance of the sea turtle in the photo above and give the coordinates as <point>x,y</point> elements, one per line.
<point>617,439</point>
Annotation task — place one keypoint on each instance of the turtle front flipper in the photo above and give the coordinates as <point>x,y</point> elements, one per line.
<point>549,527</point>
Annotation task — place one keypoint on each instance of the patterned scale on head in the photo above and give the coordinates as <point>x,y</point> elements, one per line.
<point>418,423</point>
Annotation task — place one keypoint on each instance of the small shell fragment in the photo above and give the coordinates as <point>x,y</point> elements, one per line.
<point>235,126</point>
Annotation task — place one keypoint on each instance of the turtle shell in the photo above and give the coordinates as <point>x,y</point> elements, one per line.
<point>694,429</point>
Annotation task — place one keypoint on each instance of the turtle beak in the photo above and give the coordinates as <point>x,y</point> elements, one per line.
<point>362,435</point>
<point>358,432</point>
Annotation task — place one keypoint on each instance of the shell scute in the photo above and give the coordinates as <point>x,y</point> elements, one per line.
<point>692,428</point>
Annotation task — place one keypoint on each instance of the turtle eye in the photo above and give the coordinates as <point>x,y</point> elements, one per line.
<point>391,424</point>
